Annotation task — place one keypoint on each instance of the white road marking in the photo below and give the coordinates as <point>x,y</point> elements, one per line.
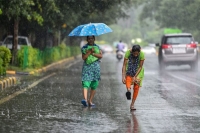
<point>25,89</point>
<point>197,96</point>
<point>184,80</point>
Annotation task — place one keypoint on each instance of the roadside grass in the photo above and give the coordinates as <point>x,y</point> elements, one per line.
<point>15,68</point>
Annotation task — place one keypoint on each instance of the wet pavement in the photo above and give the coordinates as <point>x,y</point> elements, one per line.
<point>50,103</point>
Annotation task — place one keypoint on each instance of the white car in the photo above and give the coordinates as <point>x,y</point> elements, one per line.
<point>149,50</point>
<point>106,48</point>
<point>22,40</point>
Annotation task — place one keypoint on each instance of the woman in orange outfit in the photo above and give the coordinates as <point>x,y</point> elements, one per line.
<point>133,72</point>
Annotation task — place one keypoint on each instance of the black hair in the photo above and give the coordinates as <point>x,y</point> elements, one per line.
<point>135,48</point>
<point>89,36</point>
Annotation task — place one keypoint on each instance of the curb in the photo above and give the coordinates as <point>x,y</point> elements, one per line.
<point>11,81</point>
<point>7,82</point>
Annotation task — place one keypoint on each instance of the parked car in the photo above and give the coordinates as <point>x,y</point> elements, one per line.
<point>22,40</point>
<point>178,49</point>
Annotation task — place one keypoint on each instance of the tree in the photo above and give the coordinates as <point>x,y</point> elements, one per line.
<point>44,16</point>
<point>182,14</point>
<point>14,10</point>
<point>98,11</point>
<point>72,13</point>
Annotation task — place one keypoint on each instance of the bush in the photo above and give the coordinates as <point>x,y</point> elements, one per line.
<point>69,53</point>
<point>65,51</point>
<point>2,70</point>
<point>55,55</point>
<point>62,50</point>
<point>5,57</point>
<point>33,60</point>
<point>29,57</point>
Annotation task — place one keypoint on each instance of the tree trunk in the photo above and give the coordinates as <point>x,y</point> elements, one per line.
<point>59,34</point>
<point>55,39</point>
<point>15,41</point>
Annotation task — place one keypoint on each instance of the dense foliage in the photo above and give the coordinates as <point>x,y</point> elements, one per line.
<point>29,57</point>
<point>182,14</point>
<point>41,16</point>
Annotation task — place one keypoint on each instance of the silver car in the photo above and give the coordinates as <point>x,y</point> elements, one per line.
<point>22,41</point>
<point>178,49</point>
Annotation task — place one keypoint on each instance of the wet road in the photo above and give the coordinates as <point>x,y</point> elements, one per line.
<point>167,102</point>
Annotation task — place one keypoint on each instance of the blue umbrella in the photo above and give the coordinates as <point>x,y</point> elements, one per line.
<point>91,29</point>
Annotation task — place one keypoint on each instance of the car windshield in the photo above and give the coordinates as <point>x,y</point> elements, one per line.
<point>8,41</point>
<point>179,40</point>
<point>22,41</point>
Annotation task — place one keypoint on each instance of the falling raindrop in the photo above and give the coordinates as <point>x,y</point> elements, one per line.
<point>8,115</point>
<point>39,115</point>
<point>2,113</point>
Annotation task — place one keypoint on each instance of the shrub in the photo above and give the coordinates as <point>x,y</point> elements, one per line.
<point>27,56</point>
<point>65,50</point>
<point>2,72</point>
<point>68,50</point>
<point>5,57</point>
<point>55,55</point>
<point>62,50</point>
<point>31,57</point>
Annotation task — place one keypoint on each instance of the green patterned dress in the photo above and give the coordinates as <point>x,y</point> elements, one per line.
<point>141,57</point>
<point>91,66</point>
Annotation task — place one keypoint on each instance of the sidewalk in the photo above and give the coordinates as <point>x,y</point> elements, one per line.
<point>11,77</point>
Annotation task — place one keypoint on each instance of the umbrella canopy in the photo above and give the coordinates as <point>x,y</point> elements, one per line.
<point>91,29</point>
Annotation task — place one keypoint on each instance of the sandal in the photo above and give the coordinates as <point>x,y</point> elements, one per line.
<point>132,108</point>
<point>128,95</point>
<point>84,102</point>
<point>91,104</point>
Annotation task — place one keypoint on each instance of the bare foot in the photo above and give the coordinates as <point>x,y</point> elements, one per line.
<point>91,104</point>
<point>132,107</point>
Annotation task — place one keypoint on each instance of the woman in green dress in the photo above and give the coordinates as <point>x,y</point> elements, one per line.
<point>91,54</point>
<point>133,72</point>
